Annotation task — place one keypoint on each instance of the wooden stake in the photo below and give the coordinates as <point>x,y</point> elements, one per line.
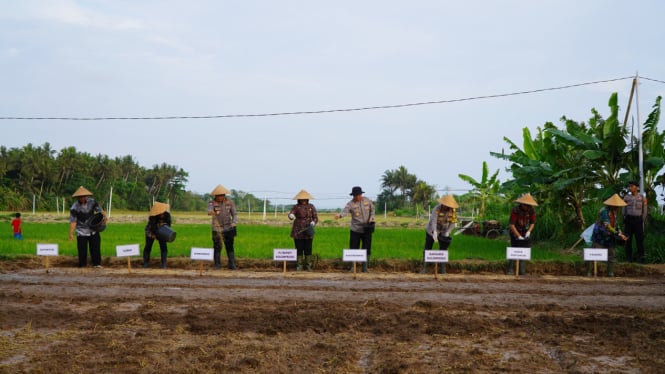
<point>46,263</point>
<point>595,269</point>
<point>285,266</point>
<point>129,265</point>
<point>517,268</point>
<point>200,268</point>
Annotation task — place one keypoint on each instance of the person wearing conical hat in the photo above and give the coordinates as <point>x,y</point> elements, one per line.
<point>441,223</point>
<point>361,210</point>
<point>304,217</point>
<point>84,220</point>
<point>224,220</point>
<point>157,217</point>
<point>522,222</point>
<point>634,215</point>
<point>606,231</point>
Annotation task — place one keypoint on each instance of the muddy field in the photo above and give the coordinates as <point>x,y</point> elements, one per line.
<point>263,320</point>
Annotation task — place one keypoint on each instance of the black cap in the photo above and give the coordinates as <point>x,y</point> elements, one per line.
<point>633,183</point>
<point>356,191</point>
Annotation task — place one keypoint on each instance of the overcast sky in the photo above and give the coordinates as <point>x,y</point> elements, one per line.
<point>113,58</point>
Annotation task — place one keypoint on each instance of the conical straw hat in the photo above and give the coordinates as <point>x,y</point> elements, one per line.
<point>527,199</point>
<point>82,191</point>
<point>159,208</point>
<point>449,201</point>
<point>220,190</point>
<point>615,200</point>
<point>303,195</point>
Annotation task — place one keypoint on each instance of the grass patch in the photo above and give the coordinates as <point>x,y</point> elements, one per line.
<point>258,241</point>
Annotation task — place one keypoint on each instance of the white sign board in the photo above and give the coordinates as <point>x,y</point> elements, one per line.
<point>279,254</point>
<point>205,254</point>
<point>47,249</point>
<point>518,253</point>
<point>436,256</point>
<point>127,250</point>
<point>354,255</point>
<point>595,254</point>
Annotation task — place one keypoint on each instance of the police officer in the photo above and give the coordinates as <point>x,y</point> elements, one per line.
<point>224,219</point>
<point>441,223</point>
<point>362,221</point>
<point>84,218</point>
<point>634,215</point>
<point>157,217</point>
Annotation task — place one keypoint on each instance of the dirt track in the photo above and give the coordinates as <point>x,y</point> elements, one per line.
<point>110,320</point>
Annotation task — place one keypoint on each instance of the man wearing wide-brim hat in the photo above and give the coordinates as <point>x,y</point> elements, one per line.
<point>606,231</point>
<point>224,219</point>
<point>522,222</point>
<point>157,217</point>
<point>87,219</point>
<point>304,217</point>
<point>441,224</point>
<point>362,222</point>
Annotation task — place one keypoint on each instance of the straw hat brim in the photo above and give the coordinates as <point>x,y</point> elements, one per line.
<point>303,195</point>
<point>158,208</point>
<point>527,199</point>
<point>220,190</point>
<point>449,201</point>
<point>615,200</point>
<point>82,191</point>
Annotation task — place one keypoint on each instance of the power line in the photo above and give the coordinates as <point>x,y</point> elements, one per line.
<point>331,110</point>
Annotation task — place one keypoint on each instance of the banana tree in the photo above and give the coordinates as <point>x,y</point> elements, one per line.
<point>485,188</point>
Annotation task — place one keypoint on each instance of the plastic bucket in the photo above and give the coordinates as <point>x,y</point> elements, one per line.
<point>165,233</point>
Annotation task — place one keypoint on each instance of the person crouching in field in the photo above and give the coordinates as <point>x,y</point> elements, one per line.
<point>522,222</point>
<point>84,218</point>
<point>440,225</point>
<point>16,226</point>
<point>157,217</point>
<point>304,218</point>
<point>606,232</point>
<point>224,219</point>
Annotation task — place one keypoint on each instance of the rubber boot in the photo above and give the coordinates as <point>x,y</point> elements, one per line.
<point>146,259</point>
<point>299,265</point>
<point>218,260</point>
<point>232,260</point>
<point>589,269</point>
<point>442,267</point>
<point>308,263</point>
<point>366,265</point>
<point>522,267</point>
<point>163,260</point>
<point>511,267</point>
<point>424,270</point>
<point>610,269</point>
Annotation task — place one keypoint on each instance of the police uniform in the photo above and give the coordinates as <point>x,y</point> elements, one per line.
<point>224,219</point>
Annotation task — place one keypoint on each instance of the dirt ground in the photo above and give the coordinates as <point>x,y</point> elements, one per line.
<point>262,320</point>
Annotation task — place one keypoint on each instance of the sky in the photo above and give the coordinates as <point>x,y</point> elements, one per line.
<point>239,60</point>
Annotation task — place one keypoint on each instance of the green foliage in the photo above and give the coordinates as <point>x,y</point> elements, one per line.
<point>485,190</point>
<point>566,169</point>
<point>50,176</point>
<point>413,192</point>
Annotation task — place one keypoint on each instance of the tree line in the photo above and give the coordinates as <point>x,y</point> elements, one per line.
<point>46,175</point>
